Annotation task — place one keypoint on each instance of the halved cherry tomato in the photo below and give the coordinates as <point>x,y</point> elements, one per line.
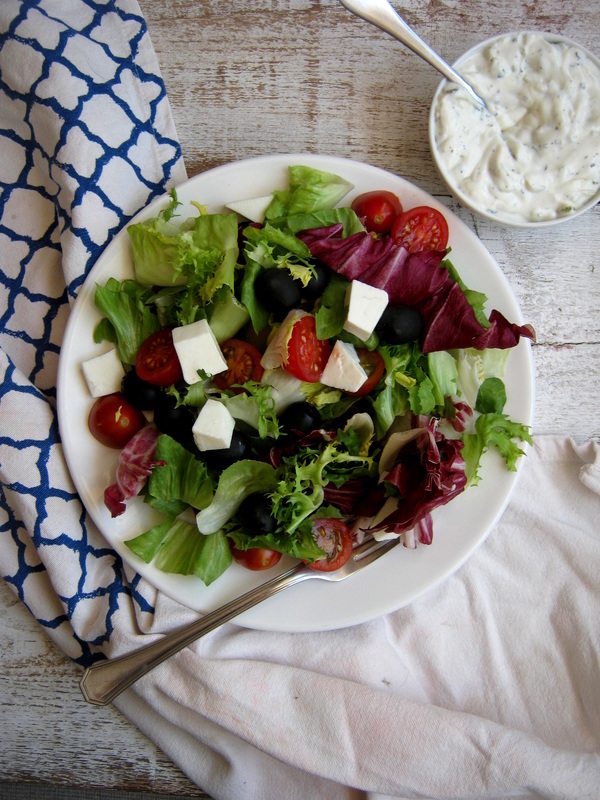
<point>113,421</point>
<point>377,210</point>
<point>256,558</point>
<point>334,538</point>
<point>420,228</point>
<point>243,364</point>
<point>157,361</point>
<point>307,355</point>
<point>374,365</point>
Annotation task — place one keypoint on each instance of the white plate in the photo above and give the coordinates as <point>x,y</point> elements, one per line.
<point>399,577</point>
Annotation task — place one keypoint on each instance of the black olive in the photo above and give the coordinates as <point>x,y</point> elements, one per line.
<point>255,514</point>
<point>302,416</point>
<point>176,421</point>
<point>318,283</point>
<point>277,291</point>
<point>139,393</point>
<point>399,325</point>
<point>239,447</point>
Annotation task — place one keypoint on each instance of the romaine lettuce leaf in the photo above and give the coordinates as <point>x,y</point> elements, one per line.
<point>176,546</point>
<point>183,477</point>
<point>443,372</point>
<point>309,190</point>
<point>322,219</point>
<point>236,482</point>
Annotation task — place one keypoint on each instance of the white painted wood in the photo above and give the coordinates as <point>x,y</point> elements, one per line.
<point>252,77</point>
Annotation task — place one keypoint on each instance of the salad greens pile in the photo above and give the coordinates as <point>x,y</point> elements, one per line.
<point>434,414</point>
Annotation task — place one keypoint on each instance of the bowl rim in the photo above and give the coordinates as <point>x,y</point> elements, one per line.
<point>463,199</point>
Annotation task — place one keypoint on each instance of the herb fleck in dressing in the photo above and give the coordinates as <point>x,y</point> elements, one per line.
<point>535,154</point>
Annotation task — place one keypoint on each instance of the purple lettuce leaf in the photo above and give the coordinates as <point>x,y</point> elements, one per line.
<point>428,471</point>
<point>418,280</point>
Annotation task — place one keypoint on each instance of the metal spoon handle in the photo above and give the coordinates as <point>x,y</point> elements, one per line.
<point>103,681</point>
<point>381,14</point>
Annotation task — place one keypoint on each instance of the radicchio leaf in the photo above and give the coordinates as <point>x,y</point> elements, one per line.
<point>355,498</point>
<point>428,471</point>
<point>136,461</point>
<point>418,280</point>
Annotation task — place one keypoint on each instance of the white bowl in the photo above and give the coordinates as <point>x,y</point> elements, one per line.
<point>516,218</point>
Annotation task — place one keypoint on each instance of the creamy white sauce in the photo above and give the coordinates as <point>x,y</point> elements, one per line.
<point>535,155</point>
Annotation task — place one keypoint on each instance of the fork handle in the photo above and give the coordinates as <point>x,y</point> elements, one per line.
<point>105,680</point>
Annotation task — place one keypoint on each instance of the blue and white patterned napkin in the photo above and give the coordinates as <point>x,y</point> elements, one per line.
<point>487,687</point>
<point>86,140</point>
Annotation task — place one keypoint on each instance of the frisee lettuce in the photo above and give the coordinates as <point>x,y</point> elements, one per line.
<point>201,250</point>
<point>498,430</point>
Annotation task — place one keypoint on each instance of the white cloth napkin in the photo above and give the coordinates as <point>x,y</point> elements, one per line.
<point>487,687</point>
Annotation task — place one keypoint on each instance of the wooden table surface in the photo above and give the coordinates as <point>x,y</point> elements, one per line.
<point>253,77</point>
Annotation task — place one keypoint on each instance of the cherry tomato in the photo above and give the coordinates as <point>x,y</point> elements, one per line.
<point>113,421</point>
<point>334,538</point>
<point>256,558</point>
<point>374,365</point>
<point>307,355</point>
<point>420,228</point>
<point>377,210</point>
<point>157,362</point>
<point>243,364</point>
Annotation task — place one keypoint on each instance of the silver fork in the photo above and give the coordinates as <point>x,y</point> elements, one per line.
<point>105,680</point>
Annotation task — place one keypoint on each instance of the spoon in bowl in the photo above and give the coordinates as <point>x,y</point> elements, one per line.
<point>381,14</point>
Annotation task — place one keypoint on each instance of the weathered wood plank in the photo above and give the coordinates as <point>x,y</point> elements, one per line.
<point>251,77</point>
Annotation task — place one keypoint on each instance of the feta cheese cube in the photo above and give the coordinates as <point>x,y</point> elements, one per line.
<point>213,427</point>
<point>253,209</point>
<point>197,349</point>
<point>343,370</point>
<point>365,304</point>
<point>103,374</point>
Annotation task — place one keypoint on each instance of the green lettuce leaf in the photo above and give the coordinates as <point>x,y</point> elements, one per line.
<point>128,318</point>
<point>491,397</point>
<point>323,219</point>
<point>310,190</point>
<point>201,250</point>
<point>255,407</point>
<point>302,476</point>
<point>475,366</point>
<point>332,312</point>
<point>176,546</point>
<point>498,430</point>
<point>298,544</point>
<point>183,477</point>
<point>236,482</point>
<point>443,372</point>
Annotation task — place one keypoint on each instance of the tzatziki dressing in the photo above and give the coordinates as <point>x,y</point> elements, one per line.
<point>534,154</point>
